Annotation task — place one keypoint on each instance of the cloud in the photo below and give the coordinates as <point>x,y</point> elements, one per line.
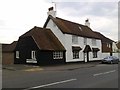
<point>84,0</point>
<point>103,15</point>
<point>19,16</point>
<point>91,8</point>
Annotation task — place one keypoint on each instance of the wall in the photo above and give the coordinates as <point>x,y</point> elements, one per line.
<point>57,32</point>
<point>69,44</point>
<point>25,46</point>
<point>46,58</point>
<point>116,54</point>
<point>7,58</point>
<point>98,45</point>
<point>66,40</point>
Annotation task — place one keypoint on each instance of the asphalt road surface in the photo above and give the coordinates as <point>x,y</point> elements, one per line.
<point>100,76</point>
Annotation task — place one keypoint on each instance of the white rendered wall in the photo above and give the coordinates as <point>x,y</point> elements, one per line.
<point>98,45</point>
<point>105,55</point>
<point>56,31</point>
<point>66,40</point>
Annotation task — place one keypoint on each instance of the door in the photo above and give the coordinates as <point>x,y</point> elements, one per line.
<point>86,57</point>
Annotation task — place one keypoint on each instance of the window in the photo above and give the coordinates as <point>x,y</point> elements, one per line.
<point>94,42</point>
<point>75,54</point>
<point>94,54</point>
<point>85,41</point>
<point>57,55</point>
<point>33,55</point>
<point>17,54</point>
<point>108,45</point>
<point>80,28</point>
<point>74,39</point>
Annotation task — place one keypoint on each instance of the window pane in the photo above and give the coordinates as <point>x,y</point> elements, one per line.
<point>75,54</point>
<point>94,42</point>
<point>94,54</point>
<point>74,39</point>
<point>57,55</point>
<point>17,54</point>
<point>33,55</point>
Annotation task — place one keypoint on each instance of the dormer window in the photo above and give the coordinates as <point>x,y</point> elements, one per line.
<point>74,39</point>
<point>80,28</point>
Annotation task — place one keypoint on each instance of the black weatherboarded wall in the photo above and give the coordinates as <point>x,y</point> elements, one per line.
<point>27,44</point>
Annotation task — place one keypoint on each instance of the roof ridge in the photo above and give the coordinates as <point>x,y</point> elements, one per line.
<point>70,21</point>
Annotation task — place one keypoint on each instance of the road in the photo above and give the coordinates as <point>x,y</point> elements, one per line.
<point>100,76</point>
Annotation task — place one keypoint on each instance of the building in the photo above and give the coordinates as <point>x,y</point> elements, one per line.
<point>80,41</point>
<point>118,46</point>
<point>109,47</point>
<point>41,46</point>
<point>8,53</point>
<point>61,41</point>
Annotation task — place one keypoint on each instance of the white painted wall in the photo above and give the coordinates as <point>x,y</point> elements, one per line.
<point>56,31</point>
<point>66,40</point>
<point>105,55</point>
<point>114,47</point>
<point>0,55</point>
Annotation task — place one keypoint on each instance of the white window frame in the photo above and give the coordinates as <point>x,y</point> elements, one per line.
<point>33,55</point>
<point>85,41</point>
<point>57,55</point>
<point>17,54</point>
<point>94,42</point>
<point>75,54</point>
<point>74,39</point>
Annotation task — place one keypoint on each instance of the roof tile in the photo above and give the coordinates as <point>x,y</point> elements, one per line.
<point>44,38</point>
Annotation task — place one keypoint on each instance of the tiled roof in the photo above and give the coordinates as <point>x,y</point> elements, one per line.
<point>73,28</point>
<point>103,38</point>
<point>44,38</point>
<point>9,47</point>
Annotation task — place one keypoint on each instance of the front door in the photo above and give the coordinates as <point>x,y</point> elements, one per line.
<point>86,57</point>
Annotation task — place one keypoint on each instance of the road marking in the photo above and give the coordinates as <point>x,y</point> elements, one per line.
<point>104,73</point>
<point>33,69</point>
<point>50,84</point>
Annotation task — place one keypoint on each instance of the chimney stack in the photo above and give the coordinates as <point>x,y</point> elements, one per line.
<point>87,23</point>
<point>51,12</point>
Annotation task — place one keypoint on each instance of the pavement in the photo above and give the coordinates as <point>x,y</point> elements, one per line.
<point>68,66</point>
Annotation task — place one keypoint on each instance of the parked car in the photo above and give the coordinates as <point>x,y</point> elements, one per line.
<point>110,59</point>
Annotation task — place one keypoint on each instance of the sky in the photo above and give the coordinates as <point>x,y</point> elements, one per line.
<point>19,16</point>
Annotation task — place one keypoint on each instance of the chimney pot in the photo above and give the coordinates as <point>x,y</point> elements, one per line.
<point>87,23</point>
<point>51,8</point>
<point>51,12</point>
